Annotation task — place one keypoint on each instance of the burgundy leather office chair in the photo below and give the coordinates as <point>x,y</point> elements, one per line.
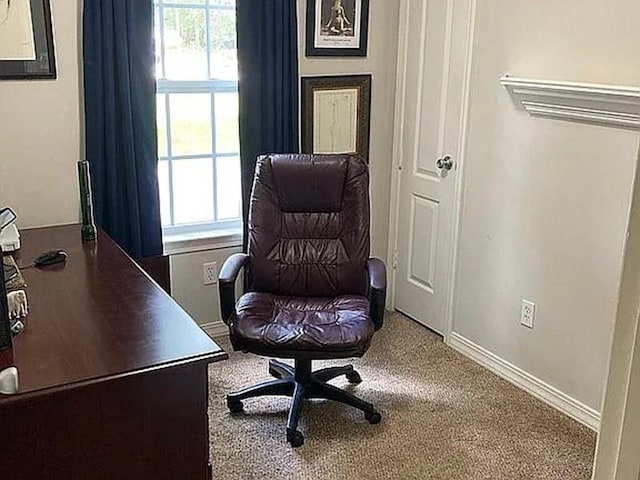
<point>312,292</point>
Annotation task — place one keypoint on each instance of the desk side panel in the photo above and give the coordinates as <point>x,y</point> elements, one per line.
<point>149,426</point>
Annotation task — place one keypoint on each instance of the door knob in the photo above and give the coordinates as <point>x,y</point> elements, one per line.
<point>445,162</point>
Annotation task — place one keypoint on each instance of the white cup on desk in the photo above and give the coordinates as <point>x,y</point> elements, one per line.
<point>9,381</point>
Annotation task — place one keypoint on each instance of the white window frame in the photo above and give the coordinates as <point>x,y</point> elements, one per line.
<point>227,231</point>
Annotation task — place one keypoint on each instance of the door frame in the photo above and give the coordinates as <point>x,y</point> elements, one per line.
<point>459,57</point>
<point>616,452</point>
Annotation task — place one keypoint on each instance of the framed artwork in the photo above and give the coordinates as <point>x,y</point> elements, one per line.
<point>336,114</point>
<point>337,28</point>
<point>26,40</point>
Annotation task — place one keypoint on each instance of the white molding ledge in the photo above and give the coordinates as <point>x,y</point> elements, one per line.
<point>533,385</point>
<point>599,104</point>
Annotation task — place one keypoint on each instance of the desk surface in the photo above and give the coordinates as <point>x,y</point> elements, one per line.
<point>97,317</point>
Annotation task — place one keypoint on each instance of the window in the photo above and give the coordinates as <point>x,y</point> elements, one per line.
<point>198,147</point>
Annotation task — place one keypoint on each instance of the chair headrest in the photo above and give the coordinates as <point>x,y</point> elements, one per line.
<point>310,183</point>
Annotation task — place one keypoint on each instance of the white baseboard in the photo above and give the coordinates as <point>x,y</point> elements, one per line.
<point>215,329</point>
<point>536,387</point>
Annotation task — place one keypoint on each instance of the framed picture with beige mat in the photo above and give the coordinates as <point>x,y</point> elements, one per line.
<point>336,114</point>
<point>26,40</point>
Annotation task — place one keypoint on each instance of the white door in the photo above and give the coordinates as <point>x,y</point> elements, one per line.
<point>430,102</point>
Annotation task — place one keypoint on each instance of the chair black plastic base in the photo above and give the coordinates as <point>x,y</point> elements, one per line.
<point>300,383</point>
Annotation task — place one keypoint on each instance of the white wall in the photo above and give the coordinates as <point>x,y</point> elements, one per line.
<point>546,202</point>
<point>381,63</point>
<point>40,134</point>
<point>188,289</point>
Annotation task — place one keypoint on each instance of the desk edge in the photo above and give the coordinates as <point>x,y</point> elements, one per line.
<point>205,358</point>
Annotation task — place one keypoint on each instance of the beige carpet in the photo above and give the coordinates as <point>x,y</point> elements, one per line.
<point>444,417</point>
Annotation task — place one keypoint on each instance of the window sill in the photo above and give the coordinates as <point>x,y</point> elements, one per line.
<point>199,241</point>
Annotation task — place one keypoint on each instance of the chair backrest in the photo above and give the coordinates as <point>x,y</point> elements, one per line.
<point>309,226</point>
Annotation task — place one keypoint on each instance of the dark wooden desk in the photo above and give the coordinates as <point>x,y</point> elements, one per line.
<point>113,373</point>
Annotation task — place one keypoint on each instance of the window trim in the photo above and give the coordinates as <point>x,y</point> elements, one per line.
<point>201,241</point>
<point>199,227</point>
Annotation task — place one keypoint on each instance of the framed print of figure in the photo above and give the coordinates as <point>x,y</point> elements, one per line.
<point>337,28</point>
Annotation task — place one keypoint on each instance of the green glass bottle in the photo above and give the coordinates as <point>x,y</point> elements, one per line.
<point>86,204</point>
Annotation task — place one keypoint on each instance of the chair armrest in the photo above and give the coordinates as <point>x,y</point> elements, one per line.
<point>227,283</point>
<point>377,290</point>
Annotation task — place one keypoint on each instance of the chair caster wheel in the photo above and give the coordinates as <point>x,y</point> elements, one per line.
<point>354,377</point>
<point>373,417</point>
<point>295,438</point>
<point>234,406</point>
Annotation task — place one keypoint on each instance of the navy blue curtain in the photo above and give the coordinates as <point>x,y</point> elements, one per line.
<point>268,85</point>
<point>120,120</point>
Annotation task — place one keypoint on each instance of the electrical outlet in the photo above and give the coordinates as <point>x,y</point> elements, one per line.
<point>210,273</point>
<point>527,313</point>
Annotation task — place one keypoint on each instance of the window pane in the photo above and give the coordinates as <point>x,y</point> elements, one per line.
<point>228,187</point>
<point>165,199</point>
<point>185,43</point>
<point>161,116</point>
<point>193,190</point>
<point>198,44</point>
<point>227,136</point>
<point>224,61</point>
<point>190,123</point>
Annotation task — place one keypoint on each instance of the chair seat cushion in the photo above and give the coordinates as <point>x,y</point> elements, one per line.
<point>297,327</point>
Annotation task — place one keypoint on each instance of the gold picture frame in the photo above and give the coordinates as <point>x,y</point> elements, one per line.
<point>336,114</point>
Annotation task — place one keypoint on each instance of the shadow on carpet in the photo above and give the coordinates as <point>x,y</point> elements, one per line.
<point>444,417</point>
